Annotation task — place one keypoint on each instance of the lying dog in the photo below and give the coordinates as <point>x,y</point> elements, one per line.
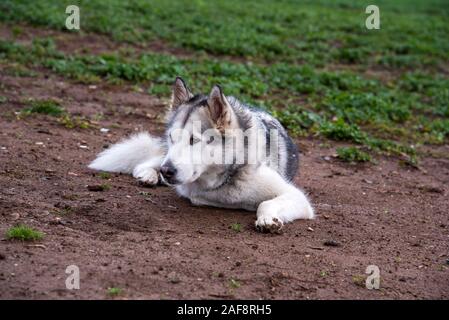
<point>218,152</point>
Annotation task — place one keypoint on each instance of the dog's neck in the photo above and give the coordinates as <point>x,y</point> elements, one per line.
<point>219,177</point>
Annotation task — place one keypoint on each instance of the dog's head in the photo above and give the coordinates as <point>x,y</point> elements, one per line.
<point>195,130</point>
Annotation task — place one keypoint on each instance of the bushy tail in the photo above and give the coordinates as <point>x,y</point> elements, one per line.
<point>125,155</point>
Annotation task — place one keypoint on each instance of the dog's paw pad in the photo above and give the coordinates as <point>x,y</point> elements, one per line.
<point>269,225</point>
<point>147,176</point>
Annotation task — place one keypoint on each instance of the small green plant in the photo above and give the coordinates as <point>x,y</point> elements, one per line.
<point>105,186</point>
<point>23,233</point>
<point>104,175</point>
<point>323,274</point>
<point>352,154</point>
<point>3,99</point>
<point>237,227</point>
<point>234,284</point>
<point>340,130</point>
<point>114,291</point>
<point>359,280</point>
<point>71,122</point>
<point>49,107</point>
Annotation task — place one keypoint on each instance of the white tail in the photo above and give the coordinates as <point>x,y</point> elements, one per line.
<point>125,155</point>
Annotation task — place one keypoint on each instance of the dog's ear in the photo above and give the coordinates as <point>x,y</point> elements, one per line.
<point>181,93</point>
<point>220,111</point>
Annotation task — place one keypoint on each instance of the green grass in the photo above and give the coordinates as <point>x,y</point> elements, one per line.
<point>49,107</point>
<point>359,280</point>
<point>54,109</point>
<point>23,233</point>
<point>114,291</point>
<point>71,122</point>
<point>237,227</point>
<point>352,154</point>
<point>234,284</point>
<point>313,64</point>
<point>104,175</point>
<point>412,32</point>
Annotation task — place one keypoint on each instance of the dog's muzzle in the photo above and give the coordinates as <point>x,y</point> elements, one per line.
<point>168,173</point>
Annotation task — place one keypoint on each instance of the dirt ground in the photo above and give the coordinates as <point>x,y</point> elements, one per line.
<point>154,245</point>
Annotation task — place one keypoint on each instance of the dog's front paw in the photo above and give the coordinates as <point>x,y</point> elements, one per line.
<point>148,176</point>
<point>269,224</point>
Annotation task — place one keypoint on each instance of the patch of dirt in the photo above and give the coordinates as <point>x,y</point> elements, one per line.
<point>81,42</point>
<point>154,245</point>
<point>143,239</point>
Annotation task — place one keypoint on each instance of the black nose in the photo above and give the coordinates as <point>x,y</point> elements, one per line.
<point>168,171</point>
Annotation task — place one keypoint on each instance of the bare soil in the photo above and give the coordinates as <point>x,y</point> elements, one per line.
<point>155,245</point>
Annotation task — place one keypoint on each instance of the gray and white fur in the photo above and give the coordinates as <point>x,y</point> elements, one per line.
<point>262,182</point>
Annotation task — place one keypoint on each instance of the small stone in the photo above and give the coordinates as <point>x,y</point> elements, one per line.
<point>95,187</point>
<point>15,216</point>
<point>331,243</point>
<point>104,130</point>
<point>173,277</point>
<point>58,220</point>
<point>310,229</point>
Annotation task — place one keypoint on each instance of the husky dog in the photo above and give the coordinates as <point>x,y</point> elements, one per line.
<point>249,174</point>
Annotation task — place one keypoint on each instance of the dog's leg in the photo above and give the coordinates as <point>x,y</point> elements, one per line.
<point>288,202</point>
<point>148,171</point>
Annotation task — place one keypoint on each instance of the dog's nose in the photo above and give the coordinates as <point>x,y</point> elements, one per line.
<point>168,171</point>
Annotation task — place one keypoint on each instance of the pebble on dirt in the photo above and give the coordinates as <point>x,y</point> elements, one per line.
<point>96,187</point>
<point>331,243</point>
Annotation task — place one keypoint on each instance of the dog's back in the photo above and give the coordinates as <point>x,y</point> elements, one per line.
<point>282,152</point>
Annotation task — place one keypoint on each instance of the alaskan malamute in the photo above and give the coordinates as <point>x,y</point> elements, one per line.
<point>218,152</point>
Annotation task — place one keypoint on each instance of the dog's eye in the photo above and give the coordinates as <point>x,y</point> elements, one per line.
<point>211,139</point>
<point>193,140</point>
